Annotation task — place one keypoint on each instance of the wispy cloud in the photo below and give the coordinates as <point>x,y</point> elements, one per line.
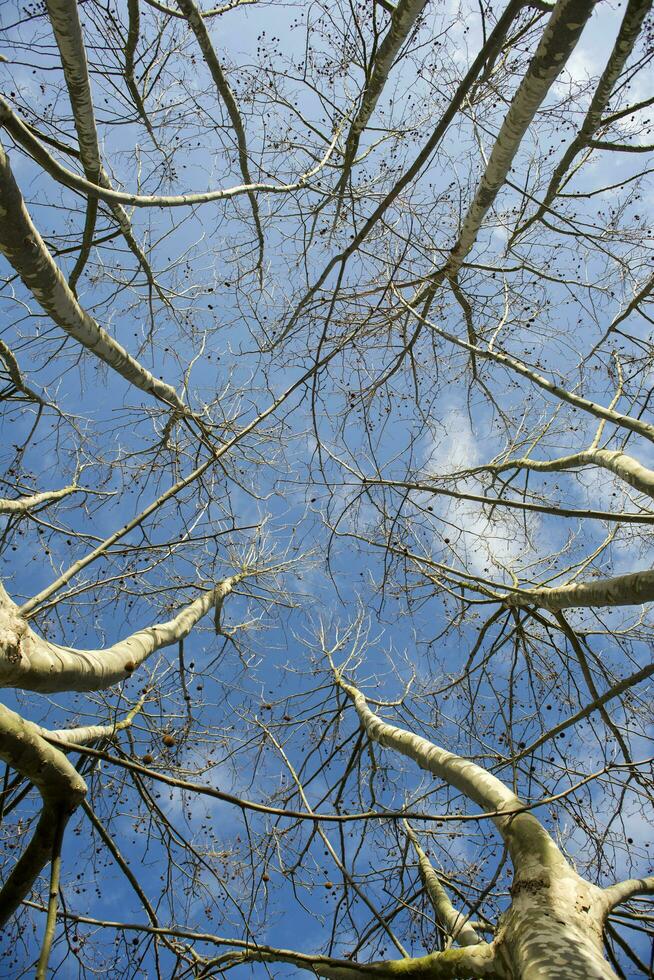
<point>483,537</point>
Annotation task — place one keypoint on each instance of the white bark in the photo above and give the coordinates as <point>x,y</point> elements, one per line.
<point>62,790</point>
<point>622,590</point>
<point>521,831</point>
<point>621,464</point>
<point>24,135</point>
<point>68,35</point>
<point>23,504</point>
<point>624,890</point>
<point>627,36</point>
<point>25,250</point>
<point>553,928</point>
<point>453,922</point>
<point>64,18</point>
<point>30,663</point>
<point>555,47</point>
<point>86,734</point>
<point>403,19</point>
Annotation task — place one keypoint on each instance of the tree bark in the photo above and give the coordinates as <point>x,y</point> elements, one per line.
<point>26,252</point>
<point>30,663</point>
<point>553,928</point>
<point>62,790</point>
<point>622,590</point>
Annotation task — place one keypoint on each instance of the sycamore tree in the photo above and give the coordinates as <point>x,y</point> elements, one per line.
<point>326,489</point>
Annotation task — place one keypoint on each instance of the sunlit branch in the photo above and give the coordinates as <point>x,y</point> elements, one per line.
<point>25,250</point>
<point>22,505</point>
<point>197,25</point>
<point>454,924</point>
<point>62,790</point>
<point>33,664</point>
<point>627,36</point>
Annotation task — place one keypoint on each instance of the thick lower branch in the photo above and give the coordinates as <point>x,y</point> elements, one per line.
<point>528,842</point>
<point>62,790</point>
<point>26,252</point>
<point>624,890</point>
<point>621,464</point>
<point>31,663</point>
<point>23,504</point>
<point>622,590</point>
<point>473,961</point>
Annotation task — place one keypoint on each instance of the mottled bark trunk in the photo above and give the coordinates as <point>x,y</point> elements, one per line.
<point>553,928</point>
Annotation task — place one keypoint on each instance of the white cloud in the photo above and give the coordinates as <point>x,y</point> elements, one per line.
<point>496,538</point>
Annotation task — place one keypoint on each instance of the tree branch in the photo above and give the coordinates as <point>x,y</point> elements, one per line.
<point>34,664</point>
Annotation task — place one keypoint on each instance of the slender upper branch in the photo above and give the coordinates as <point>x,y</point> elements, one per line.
<point>197,25</point>
<point>635,425</point>
<point>85,734</point>
<point>24,135</point>
<point>557,43</point>
<point>403,19</point>
<point>67,29</point>
<point>630,28</point>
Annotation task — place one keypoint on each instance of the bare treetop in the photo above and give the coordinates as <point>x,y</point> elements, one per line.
<point>327,480</point>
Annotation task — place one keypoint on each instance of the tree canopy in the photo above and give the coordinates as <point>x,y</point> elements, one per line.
<point>328,450</point>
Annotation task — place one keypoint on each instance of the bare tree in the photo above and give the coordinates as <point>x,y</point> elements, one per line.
<point>327,489</point>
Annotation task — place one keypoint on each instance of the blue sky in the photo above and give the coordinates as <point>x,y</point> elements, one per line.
<point>222,317</point>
